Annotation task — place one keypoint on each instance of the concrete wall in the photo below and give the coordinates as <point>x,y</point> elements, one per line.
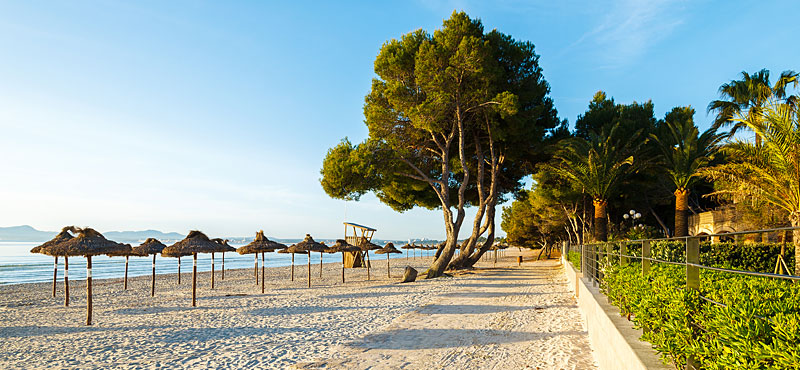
<point>615,342</point>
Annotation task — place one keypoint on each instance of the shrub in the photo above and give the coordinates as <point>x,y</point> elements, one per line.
<point>574,258</point>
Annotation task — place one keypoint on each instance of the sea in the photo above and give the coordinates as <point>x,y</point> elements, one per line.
<point>19,266</point>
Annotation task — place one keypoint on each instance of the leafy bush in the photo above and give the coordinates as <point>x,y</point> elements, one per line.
<point>758,329</point>
<point>760,257</point>
<point>574,258</point>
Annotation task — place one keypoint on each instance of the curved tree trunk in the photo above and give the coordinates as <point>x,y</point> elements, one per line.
<point>681,212</point>
<point>600,220</point>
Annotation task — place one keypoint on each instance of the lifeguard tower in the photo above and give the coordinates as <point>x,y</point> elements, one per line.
<point>359,232</point>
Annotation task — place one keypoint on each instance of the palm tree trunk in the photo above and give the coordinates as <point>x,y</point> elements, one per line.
<point>796,241</point>
<point>681,212</point>
<point>600,220</point>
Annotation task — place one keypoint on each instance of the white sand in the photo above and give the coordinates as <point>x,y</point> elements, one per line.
<point>498,318</point>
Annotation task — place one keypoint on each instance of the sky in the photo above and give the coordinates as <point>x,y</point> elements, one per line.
<point>180,115</point>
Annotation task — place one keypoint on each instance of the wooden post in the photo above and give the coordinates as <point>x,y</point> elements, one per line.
<point>153,280</point>
<point>55,275</point>
<point>263,273</point>
<point>367,262</point>
<point>66,281</point>
<point>223,265</point>
<point>194,279</point>
<point>692,283</point>
<point>212,270</point>
<point>292,266</point>
<point>179,270</point>
<point>645,254</point>
<point>309,269</point>
<point>343,266</point>
<point>125,286</point>
<point>320,264</point>
<point>255,267</point>
<point>623,250</point>
<point>88,290</point>
<point>388,269</point>
<point>519,261</point>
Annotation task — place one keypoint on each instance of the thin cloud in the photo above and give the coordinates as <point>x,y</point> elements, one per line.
<point>630,29</point>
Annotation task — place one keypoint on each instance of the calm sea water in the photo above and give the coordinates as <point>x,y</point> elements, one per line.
<point>18,265</point>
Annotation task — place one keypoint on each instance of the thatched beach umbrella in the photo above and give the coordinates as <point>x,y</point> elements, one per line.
<point>87,243</point>
<point>367,246</point>
<point>222,247</point>
<point>61,237</point>
<point>388,250</point>
<point>341,246</point>
<point>127,254</point>
<point>293,249</point>
<point>194,243</point>
<point>154,247</point>
<point>260,244</point>
<point>309,245</point>
<point>407,247</point>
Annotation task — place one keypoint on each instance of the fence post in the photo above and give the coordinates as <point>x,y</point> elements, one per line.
<point>623,250</point>
<point>645,254</point>
<point>692,283</point>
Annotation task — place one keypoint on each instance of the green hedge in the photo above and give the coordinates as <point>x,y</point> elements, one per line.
<point>731,337</point>
<point>574,258</point>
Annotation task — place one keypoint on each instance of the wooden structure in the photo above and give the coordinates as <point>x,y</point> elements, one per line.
<point>359,232</point>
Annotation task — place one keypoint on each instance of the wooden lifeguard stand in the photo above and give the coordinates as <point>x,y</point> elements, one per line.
<point>356,259</point>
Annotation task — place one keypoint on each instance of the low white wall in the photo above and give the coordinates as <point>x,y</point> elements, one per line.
<point>615,342</point>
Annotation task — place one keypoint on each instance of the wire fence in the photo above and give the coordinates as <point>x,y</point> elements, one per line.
<point>595,257</point>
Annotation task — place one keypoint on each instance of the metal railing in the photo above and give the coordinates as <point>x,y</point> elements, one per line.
<point>595,257</point>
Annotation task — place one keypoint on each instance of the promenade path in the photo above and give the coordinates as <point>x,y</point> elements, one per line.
<point>506,317</point>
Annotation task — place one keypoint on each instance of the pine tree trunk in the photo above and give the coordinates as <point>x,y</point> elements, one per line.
<point>600,220</point>
<point>681,212</point>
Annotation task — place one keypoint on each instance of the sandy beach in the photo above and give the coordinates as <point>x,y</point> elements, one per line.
<point>492,317</point>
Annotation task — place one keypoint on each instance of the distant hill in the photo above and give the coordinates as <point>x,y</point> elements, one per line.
<point>24,233</point>
<point>27,233</point>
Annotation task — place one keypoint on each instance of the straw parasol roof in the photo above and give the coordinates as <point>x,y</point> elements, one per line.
<point>389,248</point>
<point>260,244</point>
<point>61,237</point>
<point>367,245</point>
<point>294,249</point>
<point>408,246</point>
<point>310,245</point>
<point>342,246</point>
<point>88,242</point>
<point>195,242</point>
<point>150,246</point>
<point>223,245</point>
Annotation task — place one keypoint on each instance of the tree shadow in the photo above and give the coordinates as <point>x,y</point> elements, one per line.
<point>411,339</point>
<point>363,295</point>
<point>440,309</point>
<point>305,310</point>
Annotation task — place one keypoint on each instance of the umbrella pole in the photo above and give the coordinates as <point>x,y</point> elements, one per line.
<point>388,269</point>
<point>309,269</point>
<point>153,280</point>
<point>55,275</point>
<point>367,252</point>
<point>88,290</point>
<point>66,281</point>
<point>212,270</point>
<point>223,265</point>
<point>342,267</point>
<point>179,270</point>
<point>263,277</point>
<point>320,264</point>
<point>194,279</point>
<point>292,266</point>
<point>255,268</point>
<point>125,286</point>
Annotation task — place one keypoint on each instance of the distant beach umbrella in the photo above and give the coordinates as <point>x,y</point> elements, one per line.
<point>310,245</point>
<point>341,246</point>
<point>61,237</point>
<point>260,244</point>
<point>154,247</point>
<point>388,250</point>
<point>407,247</point>
<point>127,254</point>
<point>293,249</point>
<point>194,243</point>
<point>367,246</point>
<point>87,243</point>
<point>222,247</point>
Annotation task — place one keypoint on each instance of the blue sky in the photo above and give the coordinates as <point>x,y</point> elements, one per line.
<point>216,115</point>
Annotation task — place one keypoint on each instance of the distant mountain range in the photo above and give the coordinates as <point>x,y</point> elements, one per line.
<point>27,233</point>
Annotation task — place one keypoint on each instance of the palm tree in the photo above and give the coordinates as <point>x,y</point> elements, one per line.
<point>769,172</point>
<point>684,151</point>
<point>598,165</point>
<point>746,98</point>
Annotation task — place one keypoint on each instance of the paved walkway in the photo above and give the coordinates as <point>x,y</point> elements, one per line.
<point>500,318</point>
